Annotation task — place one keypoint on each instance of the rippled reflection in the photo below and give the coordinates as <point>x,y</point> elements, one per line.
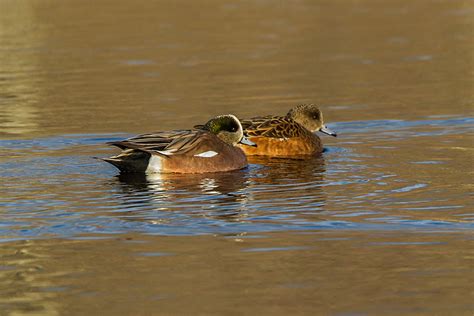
<point>219,195</point>
<point>276,186</point>
<point>26,288</point>
<point>19,70</point>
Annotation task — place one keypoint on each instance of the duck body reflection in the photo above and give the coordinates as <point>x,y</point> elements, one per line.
<point>240,196</point>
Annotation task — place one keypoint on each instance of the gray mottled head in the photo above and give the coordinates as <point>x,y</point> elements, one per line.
<point>310,117</point>
<point>228,129</point>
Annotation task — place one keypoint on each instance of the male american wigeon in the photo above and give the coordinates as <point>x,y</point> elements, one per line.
<point>286,136</point>
<point>210,149</point>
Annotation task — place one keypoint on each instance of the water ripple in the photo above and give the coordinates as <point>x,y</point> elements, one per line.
<point>55,188</point>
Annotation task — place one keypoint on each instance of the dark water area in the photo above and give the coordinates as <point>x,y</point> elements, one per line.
<point>381,223</point>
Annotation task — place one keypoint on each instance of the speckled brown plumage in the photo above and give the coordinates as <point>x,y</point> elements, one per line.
<point>273,126</point>
<point>286,136</point>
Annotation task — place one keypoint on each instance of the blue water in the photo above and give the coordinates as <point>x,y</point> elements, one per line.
<point>54,187</point>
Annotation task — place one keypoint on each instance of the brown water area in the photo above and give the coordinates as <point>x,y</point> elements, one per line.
<point>380,224</point>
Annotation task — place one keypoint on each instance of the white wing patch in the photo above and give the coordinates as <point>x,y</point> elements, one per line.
<point>207,154</point>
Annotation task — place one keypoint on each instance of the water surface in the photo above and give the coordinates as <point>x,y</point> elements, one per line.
<point>381,223</point>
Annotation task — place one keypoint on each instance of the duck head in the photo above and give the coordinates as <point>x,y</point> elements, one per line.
<point>228,129</point>
<point>311,117</point>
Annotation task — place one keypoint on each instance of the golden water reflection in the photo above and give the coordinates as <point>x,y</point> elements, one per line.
<point>20,69</point>
<point>324,272</point>
<point>75,69</point>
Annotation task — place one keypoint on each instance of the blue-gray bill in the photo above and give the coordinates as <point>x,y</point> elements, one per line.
<point>247,141</point>
<point>327,131</point>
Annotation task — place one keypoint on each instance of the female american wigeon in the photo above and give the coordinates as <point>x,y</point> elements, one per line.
<point>210,149</point>
<point>286,136</point>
